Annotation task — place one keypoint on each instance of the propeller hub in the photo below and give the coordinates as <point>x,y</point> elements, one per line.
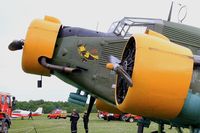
<point>16,45</point>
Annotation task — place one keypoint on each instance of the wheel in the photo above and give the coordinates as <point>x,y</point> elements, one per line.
<point>4,128</point>
<point>131,119</point>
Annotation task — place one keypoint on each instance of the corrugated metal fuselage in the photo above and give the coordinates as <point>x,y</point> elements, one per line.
<point>98,81</point>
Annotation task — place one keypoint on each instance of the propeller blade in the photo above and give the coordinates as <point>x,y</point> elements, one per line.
<point>115,65</point>
<point>125,75</point>
<point>16,45</point>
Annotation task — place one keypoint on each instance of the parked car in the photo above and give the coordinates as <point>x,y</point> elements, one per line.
<point>102,115</point>
<point>111,116</point>
<point>108,116</point>
<point>131,117</point>
<point>57,114</point>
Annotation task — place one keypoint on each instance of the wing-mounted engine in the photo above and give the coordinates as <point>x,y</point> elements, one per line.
<point>38,47</point>
<point>160,71</point>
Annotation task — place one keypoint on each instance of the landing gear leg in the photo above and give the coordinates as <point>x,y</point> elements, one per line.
<point>161,128</point>
<point>140,128</point>
<point>91,103</point>
<point>179,130</point>
<point>141,124</point>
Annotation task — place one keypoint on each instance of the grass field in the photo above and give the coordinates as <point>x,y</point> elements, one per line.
<point>43,125</point>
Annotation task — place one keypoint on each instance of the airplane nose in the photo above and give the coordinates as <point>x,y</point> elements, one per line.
<point>39,42</point>
<point>16,45</point>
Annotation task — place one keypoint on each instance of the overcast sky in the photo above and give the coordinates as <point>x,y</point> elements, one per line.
<point>16,15</point>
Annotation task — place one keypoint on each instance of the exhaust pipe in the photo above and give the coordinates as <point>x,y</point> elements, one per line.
<point>44,63</point>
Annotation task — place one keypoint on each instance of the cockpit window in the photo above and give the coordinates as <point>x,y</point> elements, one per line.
<point>128,26</point>
<point>113,26</point>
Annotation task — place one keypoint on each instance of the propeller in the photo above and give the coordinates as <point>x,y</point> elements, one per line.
<point>16,45</point>
<point>124,69</point>
<point>115,65</point>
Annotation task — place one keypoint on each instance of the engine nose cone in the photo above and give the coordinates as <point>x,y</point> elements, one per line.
<point>16,45</point>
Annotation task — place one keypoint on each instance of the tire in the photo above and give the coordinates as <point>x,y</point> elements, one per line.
<point>131,120</point>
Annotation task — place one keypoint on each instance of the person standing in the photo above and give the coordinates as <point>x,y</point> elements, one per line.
<point>85,121</point>
<point>13,103</point>
<point>30,115</point>
<point>74,117</point>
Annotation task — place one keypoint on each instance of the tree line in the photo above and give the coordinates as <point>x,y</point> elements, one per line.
<point>48,106</point>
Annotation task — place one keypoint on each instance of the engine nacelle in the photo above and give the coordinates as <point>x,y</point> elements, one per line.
<point>161,72</point>
<point>40,41</point>
<point>103,106</point>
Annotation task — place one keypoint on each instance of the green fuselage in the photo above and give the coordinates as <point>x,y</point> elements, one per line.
<point>94,78</point>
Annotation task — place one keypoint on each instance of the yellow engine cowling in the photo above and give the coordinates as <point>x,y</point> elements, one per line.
<point>103,106</point>
<point>40,41</point>
<point>161,75</point>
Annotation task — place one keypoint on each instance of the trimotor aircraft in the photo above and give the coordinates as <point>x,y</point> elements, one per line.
<point>18,113</point>
<point>143,66</point>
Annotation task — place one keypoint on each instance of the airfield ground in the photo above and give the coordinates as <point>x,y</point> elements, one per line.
<point>43,125</point>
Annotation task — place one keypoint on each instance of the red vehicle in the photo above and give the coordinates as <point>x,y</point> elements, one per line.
<point>57,114</point>
<point>131,117</point>
<point>109,116</point>
<point>123,117</point>
<point>102,115</point>
<point>5,111</point>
